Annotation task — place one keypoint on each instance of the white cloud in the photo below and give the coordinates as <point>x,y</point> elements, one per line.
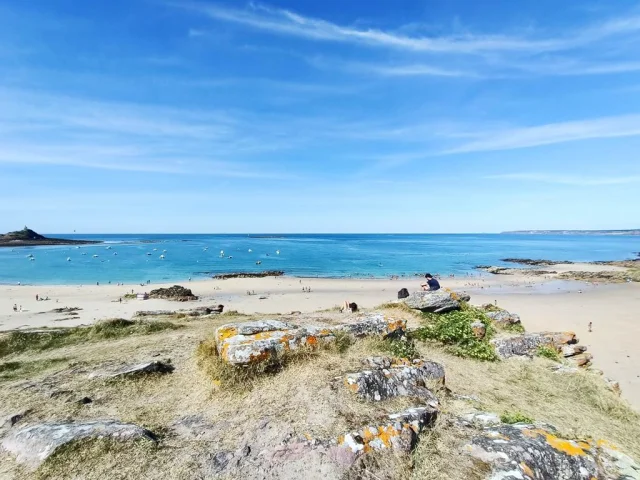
<point>285,22</point>
<point>511,139</point>
<point>565,179</point>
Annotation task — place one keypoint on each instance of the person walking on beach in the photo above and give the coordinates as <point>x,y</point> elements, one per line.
<point>15,307</point>
<point>590,326</point>
<point>432,283</point>
<point>37,297</point>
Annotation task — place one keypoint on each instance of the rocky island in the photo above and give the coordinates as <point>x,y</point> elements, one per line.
<point>28,238</point>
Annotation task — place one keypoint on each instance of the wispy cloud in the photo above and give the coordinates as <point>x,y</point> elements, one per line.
<point>565,179</point>
<point>511,139</point>
<point>285,22</point>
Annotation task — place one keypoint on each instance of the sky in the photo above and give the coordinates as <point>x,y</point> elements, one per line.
<point>416,116</point>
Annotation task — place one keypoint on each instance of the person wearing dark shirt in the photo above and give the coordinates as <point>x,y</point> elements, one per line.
<point>432,283</point>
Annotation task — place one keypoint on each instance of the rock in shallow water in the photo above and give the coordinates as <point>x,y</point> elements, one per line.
<point>32,445</point>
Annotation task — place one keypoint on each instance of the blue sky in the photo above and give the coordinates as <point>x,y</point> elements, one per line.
<point>308,116</point>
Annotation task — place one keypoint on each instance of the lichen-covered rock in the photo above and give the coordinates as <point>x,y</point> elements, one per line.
<point>176,293</point>
<point>32,445</point>
<point>504,318</point>
<point>479,329</point>
<point>528,452</point>
<point>480,419</point>
<point>400,433</point>
<point>528,343</point>
<point>377,363</point>
<point>402,378</point>
<point>571,350</point>
<point>252,342</point>
<point>375,324</point>
<point>437,301</point>
<point>581,360</point>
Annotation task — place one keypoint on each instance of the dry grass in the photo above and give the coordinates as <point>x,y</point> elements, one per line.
<point>303,398</point>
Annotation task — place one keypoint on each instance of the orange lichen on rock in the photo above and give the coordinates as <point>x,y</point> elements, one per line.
<point>569,447</point>
<point>526,469</point>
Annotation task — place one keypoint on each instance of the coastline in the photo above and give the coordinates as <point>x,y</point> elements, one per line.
<point>544,303</point>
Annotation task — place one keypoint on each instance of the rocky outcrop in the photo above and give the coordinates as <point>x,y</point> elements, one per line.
<point>27,237</point>
<point>391,378</point>
<point>252,342</point>
<point>374,324</point>
<point>194,312</point>
<point>528,343</point>
<point>529,261</point>
<point>142,369</point>
<point>437,301</point>
<point>504,318</point>
<point>176,293</point>
<point>267,273</point>
<point>399,433</point>
<point>495,270</point>
<point>528,452</point>
<point>33,444</point>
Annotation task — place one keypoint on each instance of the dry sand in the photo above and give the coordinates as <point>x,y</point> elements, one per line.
<point>542,303</point>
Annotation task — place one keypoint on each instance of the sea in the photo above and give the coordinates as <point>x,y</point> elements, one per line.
<point>177,257</point>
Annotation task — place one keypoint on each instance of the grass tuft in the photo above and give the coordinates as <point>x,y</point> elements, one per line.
<point>21,341</point>
<point>545,351</point>
<point>515,417</point>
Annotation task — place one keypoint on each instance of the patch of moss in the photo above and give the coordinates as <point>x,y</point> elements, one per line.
<point>14,370</point>
<point>21,341</point>
<point>515,417</point>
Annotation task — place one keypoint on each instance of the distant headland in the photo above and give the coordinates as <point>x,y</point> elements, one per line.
<point>576,232</point>
<point>28,238</point>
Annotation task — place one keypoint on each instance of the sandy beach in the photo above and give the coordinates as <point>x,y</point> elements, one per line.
<point>542,302</point>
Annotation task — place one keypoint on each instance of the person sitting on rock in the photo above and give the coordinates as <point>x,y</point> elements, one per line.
<point>432,283</point>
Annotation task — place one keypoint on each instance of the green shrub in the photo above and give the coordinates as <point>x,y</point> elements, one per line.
<point>548,352</point>
<point>453,329</point>
<point>401,348</point>
<point>343,341</point>
<point>515,417</point>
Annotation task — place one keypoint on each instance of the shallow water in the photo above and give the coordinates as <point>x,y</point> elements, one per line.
<point>138,256</point>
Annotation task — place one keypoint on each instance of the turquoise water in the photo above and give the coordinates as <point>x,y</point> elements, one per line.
<point>300,255</point>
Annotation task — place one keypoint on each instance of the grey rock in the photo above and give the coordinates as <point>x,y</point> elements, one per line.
<point>432,301</point>
<point>481,419</point>
<point>528,452</point>
<point>528,343</point>
<point>401,379</point>
<point>143,369</point>
<point>502,317</point>
<point>33,444</point>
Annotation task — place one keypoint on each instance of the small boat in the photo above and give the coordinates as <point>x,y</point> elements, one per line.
<point>108,248</point>
<point>250,250</point>
<point>164,251</point>
<point>277,252</point>
<point>115,253</point>
<point>33,259</point>
<point>148,254</point>
<point>83,253</point>
<point>95,256</point>
<point>30,255</point>
<point>229,257</point>
<point>155,249</point>
<point>161,257</point>
<point>78,248</point>
<point>205,249</point>
<point>68,259</point>
<point>258,262</point>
